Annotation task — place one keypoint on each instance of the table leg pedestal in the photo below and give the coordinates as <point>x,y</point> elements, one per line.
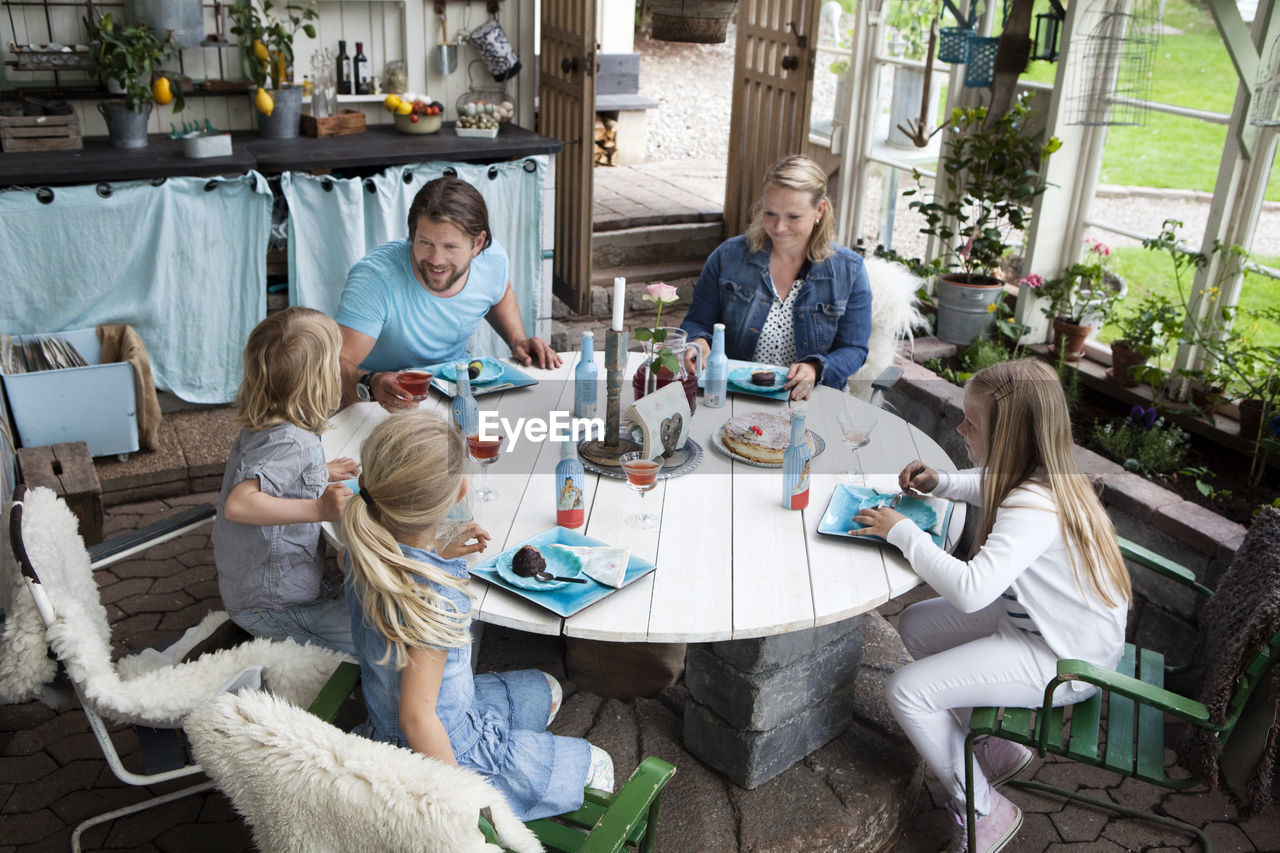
<point>758,706</point>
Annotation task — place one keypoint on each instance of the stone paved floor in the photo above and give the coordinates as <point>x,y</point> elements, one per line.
<point>52,774</point>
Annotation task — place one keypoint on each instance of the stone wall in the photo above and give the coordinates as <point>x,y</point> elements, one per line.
<point>1163,612</point>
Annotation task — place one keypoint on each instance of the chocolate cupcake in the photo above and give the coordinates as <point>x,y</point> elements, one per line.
<point>528,561</point>
<point>762,377</point>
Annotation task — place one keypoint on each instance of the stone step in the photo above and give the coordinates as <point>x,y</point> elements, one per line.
<point>643,274</point>
<point>655,244</point>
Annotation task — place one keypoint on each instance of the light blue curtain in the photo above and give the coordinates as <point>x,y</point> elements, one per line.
<point>333,222</point>
<point>183,262</point>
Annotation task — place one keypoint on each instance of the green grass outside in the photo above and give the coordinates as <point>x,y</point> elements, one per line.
<point>1147,272</point>
<point>1190,70</point>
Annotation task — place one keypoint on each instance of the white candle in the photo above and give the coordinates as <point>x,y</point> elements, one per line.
<point>619,300</point>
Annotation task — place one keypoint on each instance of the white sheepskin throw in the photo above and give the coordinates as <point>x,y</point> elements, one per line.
<point>893,316</point>
<point>307,787</point>
<point>152,689</point>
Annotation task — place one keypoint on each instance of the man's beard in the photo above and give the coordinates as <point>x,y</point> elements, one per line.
<point>424,271</point>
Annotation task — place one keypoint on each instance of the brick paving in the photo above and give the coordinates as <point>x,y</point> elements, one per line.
<point>52,774</point>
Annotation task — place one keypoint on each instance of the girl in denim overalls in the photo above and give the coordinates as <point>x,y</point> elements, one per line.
<point>407,591</point>
<point>1045,581</point>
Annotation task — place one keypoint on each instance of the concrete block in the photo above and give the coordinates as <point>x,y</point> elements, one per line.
<point>750,759</point>
<point>763,653</point>
<point>763,700</point>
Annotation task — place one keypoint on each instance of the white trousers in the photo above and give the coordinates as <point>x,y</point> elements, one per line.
<point>964,661</point>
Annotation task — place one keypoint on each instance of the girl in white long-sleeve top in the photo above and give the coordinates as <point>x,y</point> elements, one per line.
<point>1045,581</point>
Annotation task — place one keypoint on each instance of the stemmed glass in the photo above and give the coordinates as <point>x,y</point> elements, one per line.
<point>855,432</point>
<point>485,452</point>
<point>642,476</point>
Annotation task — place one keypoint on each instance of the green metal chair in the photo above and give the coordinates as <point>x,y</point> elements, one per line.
<point>605,823</point>
<point>1122,727</point>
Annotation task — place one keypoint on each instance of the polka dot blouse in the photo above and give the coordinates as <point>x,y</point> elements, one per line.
<point>777,343</point>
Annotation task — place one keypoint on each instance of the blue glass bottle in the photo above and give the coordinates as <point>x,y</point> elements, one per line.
<point>795,466</point>
<point>586,379</point>
<point>717,385</point>
<point>466,412</point>
<point>570,507</point>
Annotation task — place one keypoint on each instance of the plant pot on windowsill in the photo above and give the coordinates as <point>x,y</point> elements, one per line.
<point>1124,359</point>
<point>964,306</point>
<point>1250,417</point>
<point>1070,338</point>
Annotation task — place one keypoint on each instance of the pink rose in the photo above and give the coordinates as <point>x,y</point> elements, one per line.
<point>661,293</point>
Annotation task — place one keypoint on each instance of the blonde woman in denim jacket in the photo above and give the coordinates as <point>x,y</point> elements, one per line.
<point>785,291</point>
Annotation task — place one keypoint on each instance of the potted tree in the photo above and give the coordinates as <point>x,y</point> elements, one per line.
<point>1144,332</point>
<point>1078,298</point>
<point>992,172</point>
<point>266,42</point>
<point>129,57</point>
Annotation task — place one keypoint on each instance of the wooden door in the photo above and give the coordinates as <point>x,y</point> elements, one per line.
<point>566,111</point>
<point>773,85</point>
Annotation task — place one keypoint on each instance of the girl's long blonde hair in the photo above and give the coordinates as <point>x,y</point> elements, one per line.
<point>412,472</point>
<point>804,175</point>
<point>291,372</point>
<point>1028,429</point>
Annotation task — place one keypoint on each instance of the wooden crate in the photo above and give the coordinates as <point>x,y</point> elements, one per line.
<point>40,133</point>
<point>344,123</point>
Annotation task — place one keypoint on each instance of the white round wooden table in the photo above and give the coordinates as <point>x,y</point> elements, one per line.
<point>731,562</point>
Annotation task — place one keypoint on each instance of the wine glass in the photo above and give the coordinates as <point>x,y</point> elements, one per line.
<point>485,452</point>
<point>642,476</point>
<point>855,432</point>
<point>414,383</point>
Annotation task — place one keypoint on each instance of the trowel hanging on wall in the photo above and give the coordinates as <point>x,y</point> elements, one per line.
<point>446,53</point>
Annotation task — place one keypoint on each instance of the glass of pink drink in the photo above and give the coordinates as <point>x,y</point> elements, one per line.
<point>485,452</point>
<point>642,476</point>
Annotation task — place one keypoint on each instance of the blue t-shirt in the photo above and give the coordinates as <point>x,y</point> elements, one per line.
<point>413,327</point>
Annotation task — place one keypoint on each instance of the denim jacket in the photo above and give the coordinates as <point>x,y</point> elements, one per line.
<point>832,314</point>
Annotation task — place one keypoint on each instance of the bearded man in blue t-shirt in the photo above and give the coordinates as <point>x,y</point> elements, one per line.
<point>417,301</point>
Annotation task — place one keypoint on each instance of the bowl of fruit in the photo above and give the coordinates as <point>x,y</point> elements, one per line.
<point>414,113</point>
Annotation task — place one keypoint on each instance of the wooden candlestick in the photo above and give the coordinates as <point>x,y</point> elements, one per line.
<point>615,363</point>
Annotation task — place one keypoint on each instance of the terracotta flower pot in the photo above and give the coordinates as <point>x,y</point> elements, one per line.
<point>1123,361</point>
<point>1250,418</point>
<point>1070,338</point>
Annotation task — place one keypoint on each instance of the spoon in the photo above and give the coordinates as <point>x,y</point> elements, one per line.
<point>547,576</point>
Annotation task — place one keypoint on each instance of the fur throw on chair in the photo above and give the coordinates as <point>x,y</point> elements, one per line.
<point>152,689</point>
<point>306,787</point>
<point>893,316</point>
<point>1234,625</point>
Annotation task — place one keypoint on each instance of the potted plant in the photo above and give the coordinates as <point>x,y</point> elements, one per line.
<point>1144,332</point>
<point>992,172</point>
<point>1079,297</point>
<point>266,42</point>
<point>130,55</point>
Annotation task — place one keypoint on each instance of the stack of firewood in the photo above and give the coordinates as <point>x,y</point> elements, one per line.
<point>606,142</point>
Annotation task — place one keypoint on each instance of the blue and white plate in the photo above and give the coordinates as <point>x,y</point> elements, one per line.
<point>563,599</point>
<point>741,379</point>
<point>560,562</point>
<point>491,370</point>
<point>512,377</point>
<point>847,501</point>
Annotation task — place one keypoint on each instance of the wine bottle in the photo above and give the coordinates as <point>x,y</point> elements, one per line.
<point>586,379</point>
<point>344,69</point>
<point>717,384</point>
<point>466,412</point>
<point>795,466</point>
<point>570,511</point>
<point>360,70</point>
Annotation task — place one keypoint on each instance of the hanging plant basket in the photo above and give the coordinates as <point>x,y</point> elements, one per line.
<point>980,64</point>
<point>697,21</point>
<point>953,44</point>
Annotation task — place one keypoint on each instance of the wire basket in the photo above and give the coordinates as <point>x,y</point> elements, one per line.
<point>953,44</point>
<point>980,65</point>
<point>484,100</point>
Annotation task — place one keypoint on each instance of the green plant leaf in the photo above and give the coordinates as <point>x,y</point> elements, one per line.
<point>644,334</point>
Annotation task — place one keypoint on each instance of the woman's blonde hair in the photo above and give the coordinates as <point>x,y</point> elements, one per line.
<point>412,472</point>
<point>803,175</point>
<point>1028,429</point>
<point>291,372</point>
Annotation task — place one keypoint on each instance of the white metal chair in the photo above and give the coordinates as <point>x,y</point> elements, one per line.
<point>155,689</point>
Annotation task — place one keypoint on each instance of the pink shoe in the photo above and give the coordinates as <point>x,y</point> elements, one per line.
<point>1000,759</point>
<point>993,830</point>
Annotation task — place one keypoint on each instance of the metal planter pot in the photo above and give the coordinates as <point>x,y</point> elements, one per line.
<point>964,302</point>
<point>286,116</point>
<point>126,128</point>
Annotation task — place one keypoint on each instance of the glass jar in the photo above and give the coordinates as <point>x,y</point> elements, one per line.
<point>396,79</point>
